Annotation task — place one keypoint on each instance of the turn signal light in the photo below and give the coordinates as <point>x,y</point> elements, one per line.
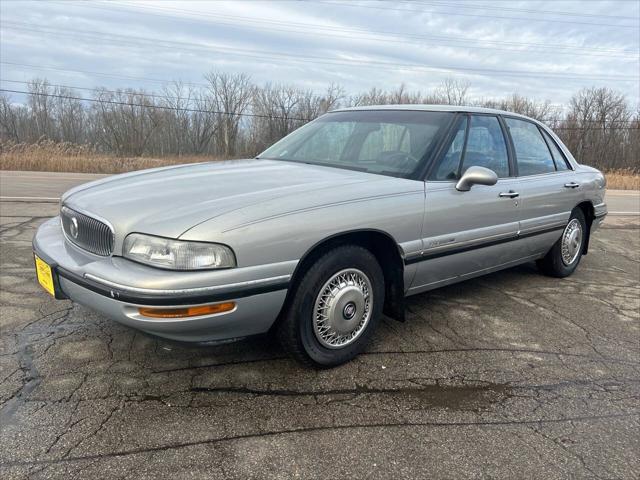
<point>187,311</point>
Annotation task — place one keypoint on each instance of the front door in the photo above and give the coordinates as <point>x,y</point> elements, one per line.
<point>469,233</point>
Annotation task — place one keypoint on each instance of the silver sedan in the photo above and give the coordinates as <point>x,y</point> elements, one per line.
<point>325,231</point>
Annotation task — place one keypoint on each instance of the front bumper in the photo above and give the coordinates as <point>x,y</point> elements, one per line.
<point>117,288</point>
<point>599,214</point>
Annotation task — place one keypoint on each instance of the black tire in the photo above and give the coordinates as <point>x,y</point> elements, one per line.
<point>552,264</point>
<point>296,328</point>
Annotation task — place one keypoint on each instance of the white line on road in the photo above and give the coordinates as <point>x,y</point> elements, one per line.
<point>89,177</point>
<point>624,213</point>
<point>29,199</point>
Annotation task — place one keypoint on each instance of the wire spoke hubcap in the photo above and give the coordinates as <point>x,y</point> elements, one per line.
<point>343,308</point>
<point>571,242</point>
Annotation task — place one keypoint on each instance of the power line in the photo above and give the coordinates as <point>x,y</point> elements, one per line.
<point>255,115</point>
<point>495,17</point>
<point>159,107</point>
<point>97,89</point>
<point>127,91</point>
<point>436,4</point>
<point>338,32</point>
<point>484,6</point>
<point>101,74</point>
<point>131,40</point>
<point>352,29</point>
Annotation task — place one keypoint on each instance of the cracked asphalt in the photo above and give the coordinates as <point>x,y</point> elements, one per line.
<point>513,375</point>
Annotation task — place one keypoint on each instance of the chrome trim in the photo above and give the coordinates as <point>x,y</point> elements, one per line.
<point>187,291</point>
<point>98,236</point>
<point>540,228</point>
<point>452,246</point>
<point>90,214</point>
<point>545,174</point>
<point>509,194</point>
<point>461,247</point>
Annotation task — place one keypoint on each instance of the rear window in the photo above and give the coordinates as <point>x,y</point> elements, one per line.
<point>558,156</point>
<point>532,153</point>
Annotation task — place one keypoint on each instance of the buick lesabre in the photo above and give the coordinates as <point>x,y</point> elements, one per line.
<point>324,232</point>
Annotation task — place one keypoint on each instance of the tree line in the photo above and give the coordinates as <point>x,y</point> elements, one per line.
<point>230,116</point>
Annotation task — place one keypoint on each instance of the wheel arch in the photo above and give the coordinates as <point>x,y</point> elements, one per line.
<point>589,214</point>
<point>381,244</point>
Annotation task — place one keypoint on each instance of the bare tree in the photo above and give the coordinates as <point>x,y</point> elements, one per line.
<point>452,92</point>
<point>232,117</point>
<point>230,95</point>
<point>176,119</point>
<point>41,108</point>
<point>8,120</point>
<point>598,128</point>
<point>125,120</point>
<point>69,116</point>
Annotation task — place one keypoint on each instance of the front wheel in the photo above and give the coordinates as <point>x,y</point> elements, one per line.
<point>335,308</point>
<point>564,256</point>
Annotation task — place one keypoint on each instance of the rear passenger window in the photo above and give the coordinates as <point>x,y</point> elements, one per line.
<point>558,156</point>
<point>532,154</point>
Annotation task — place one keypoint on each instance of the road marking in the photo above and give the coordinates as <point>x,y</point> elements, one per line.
<point>89,177</point>
<point>27,199</point>
<point>624,213</point>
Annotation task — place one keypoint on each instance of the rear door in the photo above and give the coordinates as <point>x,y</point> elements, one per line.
<point>467,233</point>
<point>547,190</point>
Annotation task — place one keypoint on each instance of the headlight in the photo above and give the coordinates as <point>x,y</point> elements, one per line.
<point>176,254</point>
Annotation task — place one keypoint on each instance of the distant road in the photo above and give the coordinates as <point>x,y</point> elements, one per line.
<point>48,186</point>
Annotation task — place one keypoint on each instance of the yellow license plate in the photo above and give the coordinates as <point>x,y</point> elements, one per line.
<point>45,275</point>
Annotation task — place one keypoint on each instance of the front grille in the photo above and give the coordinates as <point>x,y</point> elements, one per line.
<point>86,232</point>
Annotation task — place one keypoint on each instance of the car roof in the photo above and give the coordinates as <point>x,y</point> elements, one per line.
<point>432,108</point>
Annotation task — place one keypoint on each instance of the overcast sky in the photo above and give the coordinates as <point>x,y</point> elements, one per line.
<point>543,49</point>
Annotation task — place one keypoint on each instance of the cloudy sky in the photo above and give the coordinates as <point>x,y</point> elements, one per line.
<point>544,49</point>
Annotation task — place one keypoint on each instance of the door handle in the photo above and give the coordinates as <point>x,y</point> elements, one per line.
<point>509,194</point>
<point>571,185</point>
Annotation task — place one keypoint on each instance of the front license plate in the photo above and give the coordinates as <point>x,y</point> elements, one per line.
<point>45,275</point>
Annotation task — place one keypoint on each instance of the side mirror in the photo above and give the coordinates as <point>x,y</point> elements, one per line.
<point>476,176</point>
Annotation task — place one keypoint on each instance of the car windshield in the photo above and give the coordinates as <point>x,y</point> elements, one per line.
<point>386,142</point>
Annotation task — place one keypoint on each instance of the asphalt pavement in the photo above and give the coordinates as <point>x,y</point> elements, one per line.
<point>513,375</point>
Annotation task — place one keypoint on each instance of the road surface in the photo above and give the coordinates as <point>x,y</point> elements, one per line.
<point>48,186</point>
<point>512,375</point>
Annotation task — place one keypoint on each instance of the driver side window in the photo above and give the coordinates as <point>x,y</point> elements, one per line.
<point>483,146</point>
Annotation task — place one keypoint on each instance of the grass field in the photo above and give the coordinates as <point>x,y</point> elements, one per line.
<point>65,157</point>
<point>623,180</point>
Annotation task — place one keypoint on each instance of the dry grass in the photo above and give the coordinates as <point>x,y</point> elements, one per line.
<point>623,180</point>
<point>47,156</point>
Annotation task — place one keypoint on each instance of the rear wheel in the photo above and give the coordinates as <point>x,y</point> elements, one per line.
<point>564,256</point>
<point>335,308</point>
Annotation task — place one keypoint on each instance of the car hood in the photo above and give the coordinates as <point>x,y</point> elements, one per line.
<point>169,201</point>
